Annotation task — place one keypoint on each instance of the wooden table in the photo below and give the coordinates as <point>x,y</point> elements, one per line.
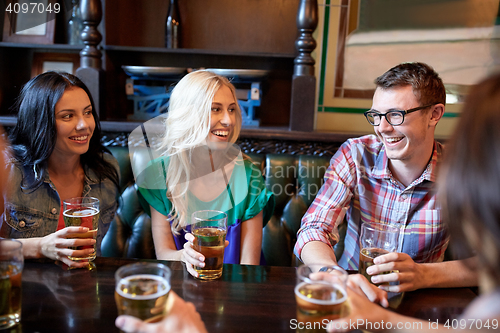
<point>245,299</point>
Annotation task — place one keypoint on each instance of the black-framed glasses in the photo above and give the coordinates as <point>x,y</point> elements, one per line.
<point>395,118</point>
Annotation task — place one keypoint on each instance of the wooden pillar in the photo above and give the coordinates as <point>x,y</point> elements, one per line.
<point>90,71</point>
<point>304,82</point>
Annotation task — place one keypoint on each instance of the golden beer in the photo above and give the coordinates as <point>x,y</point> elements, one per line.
<point>317,304</point>
<point>366,257</point>
<point>83,217</point>
<point>10,294</point>
<point>143,296</point>
<point>320,299</point>
<point>209,241</point>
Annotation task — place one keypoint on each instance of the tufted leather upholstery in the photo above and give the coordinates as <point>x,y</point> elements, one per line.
<point>294,179</point>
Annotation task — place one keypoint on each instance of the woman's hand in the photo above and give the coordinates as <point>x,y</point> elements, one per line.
<point>57,246</point>
<point>361,312</point>
<point>362,286</point>
<point>190,256</point>
<point>359,284</point>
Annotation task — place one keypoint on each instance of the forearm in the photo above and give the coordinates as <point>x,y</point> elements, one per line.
<point>251,240</point>
<point>318,253</point>
<point>450,274</point>
<point>31,247</point>
<point>163,238</point>
<point>164,253</point>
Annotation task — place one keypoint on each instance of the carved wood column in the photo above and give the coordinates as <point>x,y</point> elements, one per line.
<point>90,71</point>
<point>304,82</point>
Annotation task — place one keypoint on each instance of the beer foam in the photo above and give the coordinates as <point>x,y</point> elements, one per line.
<point>160,281</point>
<point>81,213</point>
<point>321,301</point>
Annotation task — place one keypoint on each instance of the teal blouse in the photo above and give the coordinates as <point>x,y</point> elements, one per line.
<point>245,196</point>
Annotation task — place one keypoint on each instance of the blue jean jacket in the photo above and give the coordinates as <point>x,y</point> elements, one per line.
<point>36,214</point>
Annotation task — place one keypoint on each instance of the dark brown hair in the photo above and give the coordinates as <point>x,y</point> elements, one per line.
<point>426,83</point>
<point>34,136</point>
<point>470,176</point>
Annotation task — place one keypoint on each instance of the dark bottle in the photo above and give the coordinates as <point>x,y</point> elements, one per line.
<point>173,26</point>
<point>75,25</point>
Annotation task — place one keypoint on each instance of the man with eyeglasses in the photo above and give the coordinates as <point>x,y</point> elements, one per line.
<point>390,178</point>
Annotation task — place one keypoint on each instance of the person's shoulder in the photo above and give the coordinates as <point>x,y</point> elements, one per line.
<point>367,142</point>
<point>108,157</point>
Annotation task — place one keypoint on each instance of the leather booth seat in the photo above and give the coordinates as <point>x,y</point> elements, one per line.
<point>294,179</point>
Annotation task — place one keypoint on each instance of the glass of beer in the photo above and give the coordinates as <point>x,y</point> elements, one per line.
<point>82,212</point>
<point>209,228</point>
<point>321,294</point>
<point>141,290</point>
<point>11,268</point>
<point>376,239</point>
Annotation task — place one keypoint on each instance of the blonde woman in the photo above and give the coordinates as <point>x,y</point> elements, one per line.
<point>202,169</point>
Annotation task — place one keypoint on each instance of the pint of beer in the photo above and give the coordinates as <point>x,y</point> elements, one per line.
<point>142,289</point>
<point>209,228</point>
<point>321,297</point>
<point>376,239</point>
<point>82,212</point>
<point>11,267</point>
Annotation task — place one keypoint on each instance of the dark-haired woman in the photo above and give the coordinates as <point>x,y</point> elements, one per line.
<point>57,154</point>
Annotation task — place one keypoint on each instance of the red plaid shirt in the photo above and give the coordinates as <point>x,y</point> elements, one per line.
<point>359,181</point>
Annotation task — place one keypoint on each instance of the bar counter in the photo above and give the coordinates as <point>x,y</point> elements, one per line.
<point>245,299</point>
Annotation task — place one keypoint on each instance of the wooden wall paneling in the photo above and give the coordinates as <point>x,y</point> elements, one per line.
<point>226,25</point>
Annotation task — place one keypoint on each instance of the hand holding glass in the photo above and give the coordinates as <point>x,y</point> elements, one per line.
<point>320,296</point>
<point>376,239</point>
<point>209,228</point>
<point>11,267</point>
<point>82,212</point>
<point>141,290</point>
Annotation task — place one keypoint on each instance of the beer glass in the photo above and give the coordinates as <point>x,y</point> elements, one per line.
<point>11,268</point>
<point>320,297</point>
<point>376,239</point>
<point>141,290</point>
<point>209,228</point>
<point>82,212</point>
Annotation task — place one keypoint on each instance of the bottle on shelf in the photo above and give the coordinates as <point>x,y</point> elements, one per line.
<point>75,25</point>
<point>173,26</point>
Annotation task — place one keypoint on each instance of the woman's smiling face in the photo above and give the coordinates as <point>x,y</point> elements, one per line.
<point>75,122</point>
<point>223,116</point>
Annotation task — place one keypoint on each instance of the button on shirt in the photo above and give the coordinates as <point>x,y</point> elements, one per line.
<point>359,182</point>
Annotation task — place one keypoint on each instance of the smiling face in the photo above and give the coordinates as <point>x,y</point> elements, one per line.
<point>411,141</point>
<point>75,123</point>
<point>223,116</point>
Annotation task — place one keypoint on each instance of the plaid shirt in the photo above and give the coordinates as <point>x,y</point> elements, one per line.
<point>359,182</point>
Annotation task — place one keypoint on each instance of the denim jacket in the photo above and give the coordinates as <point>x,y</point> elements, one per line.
<point>36,214</point>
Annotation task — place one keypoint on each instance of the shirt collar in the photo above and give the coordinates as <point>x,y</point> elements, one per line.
<point>381,166</point>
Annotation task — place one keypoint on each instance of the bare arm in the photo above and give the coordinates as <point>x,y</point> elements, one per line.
<point>251,240</point>
<point>317,252</point>
<point>162,237</point>
<point>451,274</point>
<point>165,246</point>
<point>57,245</point>
<point>412,276</point>
<point>365,315</point>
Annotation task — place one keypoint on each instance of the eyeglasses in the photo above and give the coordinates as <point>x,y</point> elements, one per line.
<point>395,118</point>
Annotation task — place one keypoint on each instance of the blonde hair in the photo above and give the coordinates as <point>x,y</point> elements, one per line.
<point>187,127</point>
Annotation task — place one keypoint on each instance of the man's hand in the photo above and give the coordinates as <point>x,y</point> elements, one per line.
<point>404,270</point>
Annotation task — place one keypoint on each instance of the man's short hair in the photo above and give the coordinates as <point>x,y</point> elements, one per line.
<point>426,83</point>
